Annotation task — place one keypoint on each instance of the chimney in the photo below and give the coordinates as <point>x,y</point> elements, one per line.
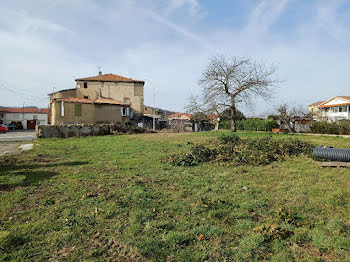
<point>99,73</point>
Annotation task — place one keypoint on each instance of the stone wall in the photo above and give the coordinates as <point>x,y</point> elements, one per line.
<point>64,131</point>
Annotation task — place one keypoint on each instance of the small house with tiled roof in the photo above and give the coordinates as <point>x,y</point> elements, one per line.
<point>24,117</point>
<point>105,98</point>
<point>334,109</point>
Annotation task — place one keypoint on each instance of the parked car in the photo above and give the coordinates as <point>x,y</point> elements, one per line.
<point>10,126</point>
<point>3,129</point>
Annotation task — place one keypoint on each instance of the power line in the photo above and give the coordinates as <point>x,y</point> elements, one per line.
<point>24,95</point>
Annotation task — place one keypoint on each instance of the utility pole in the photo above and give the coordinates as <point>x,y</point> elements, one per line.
<point>23,113</point>
<point>154,105</point>
<point>154,109</point>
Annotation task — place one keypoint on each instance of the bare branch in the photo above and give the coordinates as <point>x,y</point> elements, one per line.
<point>230,81</point>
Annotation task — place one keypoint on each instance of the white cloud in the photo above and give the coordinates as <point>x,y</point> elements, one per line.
<point>328,19</point>
<point>22,22</point>
<point>265,15</point>
<point>179,29</point>
<point>192,5</point>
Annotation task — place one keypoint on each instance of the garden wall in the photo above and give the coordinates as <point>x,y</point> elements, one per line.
<point>44,131</point>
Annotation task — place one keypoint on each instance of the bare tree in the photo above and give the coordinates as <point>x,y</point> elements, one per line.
<point>289,113</point>
<point>229,81</point>
<point>196,106</point>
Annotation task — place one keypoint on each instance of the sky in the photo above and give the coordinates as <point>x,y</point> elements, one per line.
<point>45,45</point>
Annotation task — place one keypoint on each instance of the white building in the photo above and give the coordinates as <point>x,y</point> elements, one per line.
<point>335,109</point>
<point>26,118</point>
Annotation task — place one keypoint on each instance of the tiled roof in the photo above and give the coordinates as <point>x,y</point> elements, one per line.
<point>179,115</point>
<point>91,101</point>
<point>344,104</point>
<point>34,110</point>
<point>109,78</point>
<point>212,117</point>
<point>64,90</point>
<point>109,101</point>
<point>317,103</point>
<point>345,97</point>
<point>75,100</point>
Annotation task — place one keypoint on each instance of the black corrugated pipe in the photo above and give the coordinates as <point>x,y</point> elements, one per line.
<point>332,154</point>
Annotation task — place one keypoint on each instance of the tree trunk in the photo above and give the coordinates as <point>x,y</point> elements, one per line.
<point>233,115</point>
<point>290,128</point>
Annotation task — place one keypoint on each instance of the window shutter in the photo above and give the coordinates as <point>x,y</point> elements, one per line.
<point>78,109</point>
<point>128,111</point>
<point>121,111</point>
<point>62,108</point>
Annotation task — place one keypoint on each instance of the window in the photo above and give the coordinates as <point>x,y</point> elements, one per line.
<point>86,97</point>
<point>123,111</point>
<point>78,110</point>
<point>103,84</point>
<point>16,116</point>
<point>340,109</point>
<point>62,108</point>
<point>85,85</point>
<point>35,117</point>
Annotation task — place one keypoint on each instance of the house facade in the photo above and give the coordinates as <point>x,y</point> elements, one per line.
<point>87,111</point>
<point>24,117</point>
<point>180,116</point>
<point>314,110</point>
<point>335,109</point>
<point>104,98</point>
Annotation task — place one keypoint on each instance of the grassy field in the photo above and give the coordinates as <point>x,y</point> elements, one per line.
<point>112,199</point>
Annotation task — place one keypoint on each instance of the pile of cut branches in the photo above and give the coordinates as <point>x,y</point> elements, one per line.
<point>251,151</point>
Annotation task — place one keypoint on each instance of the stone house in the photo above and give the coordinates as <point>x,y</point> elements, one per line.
<point>180,122</point>
<point>104,98</point>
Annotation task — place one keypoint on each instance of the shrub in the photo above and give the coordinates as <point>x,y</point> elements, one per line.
<point>225,139</point>
<point>336,128</point>
<point>128,128</point>
<point>252,151</point>
<point>251,125</point>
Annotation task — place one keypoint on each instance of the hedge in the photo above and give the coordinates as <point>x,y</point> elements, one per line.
<point>337,128</point>
<point>251,125</point>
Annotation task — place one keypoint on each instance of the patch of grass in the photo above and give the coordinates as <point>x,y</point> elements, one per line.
<point>112,199</point>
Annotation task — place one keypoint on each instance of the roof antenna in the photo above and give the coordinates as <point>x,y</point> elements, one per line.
<point>99,70</point>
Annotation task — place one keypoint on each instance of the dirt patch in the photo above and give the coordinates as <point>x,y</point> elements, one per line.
<point>44,158</point>
<point>114,249</point>
<point>9,148</point>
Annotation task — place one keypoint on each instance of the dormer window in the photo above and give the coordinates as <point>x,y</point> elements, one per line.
<point>85,85</point>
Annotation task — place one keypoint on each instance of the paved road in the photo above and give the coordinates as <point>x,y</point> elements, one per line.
<point>14,136</point>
